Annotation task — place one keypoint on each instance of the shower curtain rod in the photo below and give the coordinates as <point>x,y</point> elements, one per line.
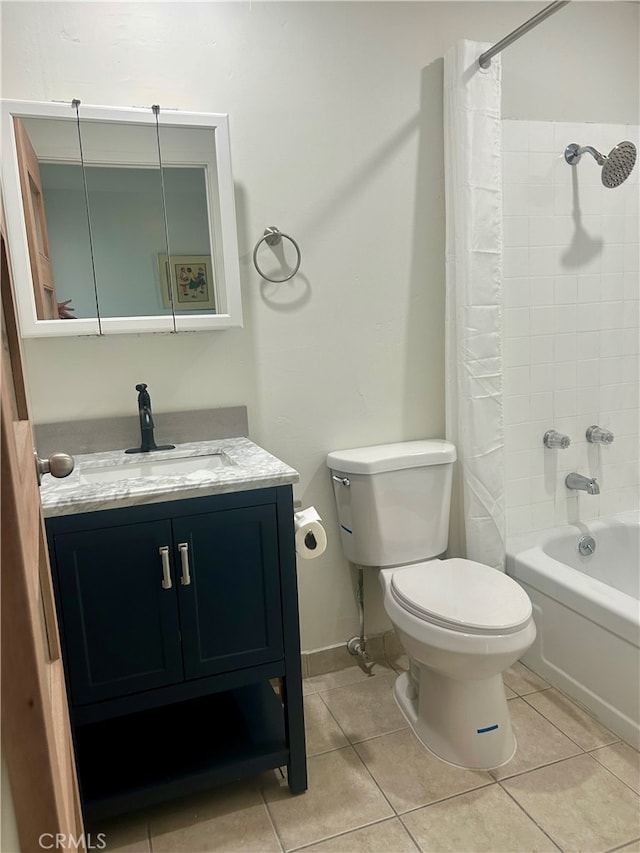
<point>485,58</point>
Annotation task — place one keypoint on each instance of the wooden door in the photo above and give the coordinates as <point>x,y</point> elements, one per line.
<point>120,610</point>
<point>36,736</point>
<point>44,289</point>
<point>229,589</point>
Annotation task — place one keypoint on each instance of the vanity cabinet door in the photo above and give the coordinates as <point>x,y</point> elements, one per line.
<point>120,616</point>
<point>228,589</point>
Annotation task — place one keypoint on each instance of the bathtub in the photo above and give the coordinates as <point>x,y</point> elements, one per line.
<point>587,614</point>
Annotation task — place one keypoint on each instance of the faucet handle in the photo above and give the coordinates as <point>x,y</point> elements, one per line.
<point>598,435</point>
<point>555,439</point>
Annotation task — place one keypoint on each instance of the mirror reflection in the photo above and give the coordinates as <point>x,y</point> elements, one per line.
<point>126,234</point>
<point>31,163</point>
<point>120,220</point>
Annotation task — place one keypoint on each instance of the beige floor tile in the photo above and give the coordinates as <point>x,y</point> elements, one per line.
<point>232,818</point>
<point>509,693</point>
<point>322,733</point>
<point>623,761</point>
<point>571,719</point>
<point>307,688</point>
<point>522,680</point>
<point>410,776</point>
<point>128,835</point>
<point>634,847</point>
<point>539,742</point>
<point>579,804</point>
<point>389,836</point>
<point>366,709</point>
<point>350,675</point>
<point>484,820</point>
<point>341,797</point>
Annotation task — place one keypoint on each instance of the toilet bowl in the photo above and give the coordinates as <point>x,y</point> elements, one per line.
<point>453,697</point>
<point>461,622</point>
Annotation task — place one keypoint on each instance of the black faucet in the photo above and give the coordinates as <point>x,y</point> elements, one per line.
<point>146,424</point>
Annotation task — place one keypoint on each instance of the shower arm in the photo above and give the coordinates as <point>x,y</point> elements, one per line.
<point>574,152</point>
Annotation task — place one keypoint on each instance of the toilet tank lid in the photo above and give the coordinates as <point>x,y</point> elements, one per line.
<point>392,457</point>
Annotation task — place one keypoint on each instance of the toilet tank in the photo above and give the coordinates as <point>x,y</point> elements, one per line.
<point>393,500</point>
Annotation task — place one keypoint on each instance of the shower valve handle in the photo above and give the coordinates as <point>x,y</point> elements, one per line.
<point>598,435</point>
<point>553,440</point>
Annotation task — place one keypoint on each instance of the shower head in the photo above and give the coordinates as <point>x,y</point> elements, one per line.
<point>616,167</point>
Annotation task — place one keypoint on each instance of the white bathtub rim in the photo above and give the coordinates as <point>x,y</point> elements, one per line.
<point>630,518</point>
<point>616,611</point>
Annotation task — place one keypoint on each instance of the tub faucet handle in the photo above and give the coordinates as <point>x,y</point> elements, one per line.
<point>598,435</point>
<point>555,439</point>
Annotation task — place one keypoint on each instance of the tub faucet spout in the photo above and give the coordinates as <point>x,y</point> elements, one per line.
<point>582,483</point>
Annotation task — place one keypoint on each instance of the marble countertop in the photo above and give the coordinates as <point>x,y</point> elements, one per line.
<point>247,467</point>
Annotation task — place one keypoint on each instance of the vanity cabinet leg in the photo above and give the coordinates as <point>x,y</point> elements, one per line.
<point>294,723</point>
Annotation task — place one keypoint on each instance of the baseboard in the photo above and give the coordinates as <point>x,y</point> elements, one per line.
<point>380,647</point>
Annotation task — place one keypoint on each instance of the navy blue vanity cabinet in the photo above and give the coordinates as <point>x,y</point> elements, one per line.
<point>121,624</point>
<point>228,589</point>
<point>180,638</point>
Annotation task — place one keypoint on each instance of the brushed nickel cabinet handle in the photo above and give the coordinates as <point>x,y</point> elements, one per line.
<point>183,547</point>
<point>166,573</point>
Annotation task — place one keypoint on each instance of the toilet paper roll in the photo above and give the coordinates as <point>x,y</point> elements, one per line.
<point>310,536</point>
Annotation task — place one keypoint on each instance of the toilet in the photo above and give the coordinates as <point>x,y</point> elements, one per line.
<point>461,623</point>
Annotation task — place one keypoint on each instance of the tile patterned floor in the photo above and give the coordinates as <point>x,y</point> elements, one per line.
<point>572,786</point>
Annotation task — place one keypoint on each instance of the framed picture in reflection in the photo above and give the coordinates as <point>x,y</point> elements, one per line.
<point>187,282</point>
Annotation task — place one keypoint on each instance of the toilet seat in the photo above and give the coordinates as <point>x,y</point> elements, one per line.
<point>463,596</point>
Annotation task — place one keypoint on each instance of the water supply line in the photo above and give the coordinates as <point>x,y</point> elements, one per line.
<point>357,646</point>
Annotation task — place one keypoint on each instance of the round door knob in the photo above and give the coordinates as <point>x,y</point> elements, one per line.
<point>58,465</point>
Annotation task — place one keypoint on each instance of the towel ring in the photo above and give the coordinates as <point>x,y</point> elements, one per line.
<point>272,237</point>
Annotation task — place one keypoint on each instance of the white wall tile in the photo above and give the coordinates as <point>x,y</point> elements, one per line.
<point>516,380</point>
<point>565,289</point>
<point>515,167</point>
<point>515,135</point>
<point>541,290</point>
<point>516,322</point>
<point>541,137</point>
<point>515,293</point>
<point>515,230</point>
<point>541,349</point>
<point>565,347</point>
<point>515,262</point>
<point>541,231</point>
<point>541,320</point>
<point>589,288</point>
<point>572,351</point>
<point>516,352</point>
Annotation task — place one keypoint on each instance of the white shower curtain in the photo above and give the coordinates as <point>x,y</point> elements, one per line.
<point>473,193</point>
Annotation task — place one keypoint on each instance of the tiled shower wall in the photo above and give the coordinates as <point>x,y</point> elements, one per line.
<point>571,288</point>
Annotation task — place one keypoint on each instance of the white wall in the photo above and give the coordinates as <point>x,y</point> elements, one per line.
<point>571,323</point>
<point>336,132</point>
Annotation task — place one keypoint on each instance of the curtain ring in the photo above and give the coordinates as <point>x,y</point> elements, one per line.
<point>272,237</point>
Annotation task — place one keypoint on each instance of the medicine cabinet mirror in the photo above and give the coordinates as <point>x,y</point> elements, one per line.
<point>119,220</point>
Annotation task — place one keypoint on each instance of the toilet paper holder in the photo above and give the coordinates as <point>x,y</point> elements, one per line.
<point>310,536</point>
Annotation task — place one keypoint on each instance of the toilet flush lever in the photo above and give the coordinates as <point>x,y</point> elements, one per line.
<point>345,481</point>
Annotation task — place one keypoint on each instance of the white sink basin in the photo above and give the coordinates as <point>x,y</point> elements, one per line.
<point>152,468</point>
